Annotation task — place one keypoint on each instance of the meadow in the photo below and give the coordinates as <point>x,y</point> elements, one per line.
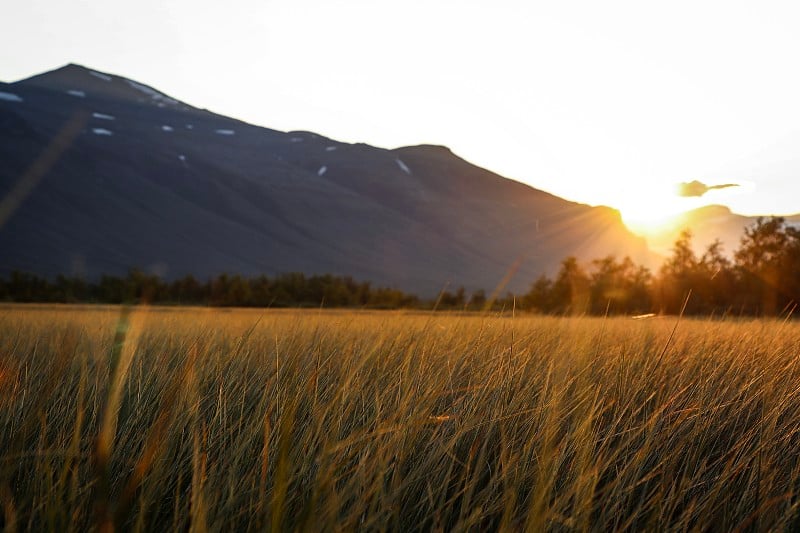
<point>150,419</point>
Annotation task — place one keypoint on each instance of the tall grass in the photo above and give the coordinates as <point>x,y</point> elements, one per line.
<point>211,420</point>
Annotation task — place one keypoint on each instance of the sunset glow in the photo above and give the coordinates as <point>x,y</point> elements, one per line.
<point>650,211</point>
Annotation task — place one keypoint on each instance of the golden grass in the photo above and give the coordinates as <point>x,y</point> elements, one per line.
<point>210,420</point>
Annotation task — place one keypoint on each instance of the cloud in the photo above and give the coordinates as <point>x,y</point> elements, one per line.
<point>697,188</point>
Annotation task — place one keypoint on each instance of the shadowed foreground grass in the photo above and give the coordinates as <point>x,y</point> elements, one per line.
<point>214,420</point>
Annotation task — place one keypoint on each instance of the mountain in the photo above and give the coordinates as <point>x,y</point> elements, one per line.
<point>120,175</point>
<point>708,224</point>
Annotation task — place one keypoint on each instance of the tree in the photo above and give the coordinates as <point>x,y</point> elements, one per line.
<point>478,299</point>
<point>540,296</point>
<point>238,292</point>
<point>448,300</point>
<point>767,262</point>
<point>571,288</point>
<point>620,286</point>
<point>716,286</point>
<point>186,291</point>
<point>678,276</point>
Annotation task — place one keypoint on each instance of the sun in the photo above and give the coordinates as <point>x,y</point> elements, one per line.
<point>652,212</point>
<point>649,223</point>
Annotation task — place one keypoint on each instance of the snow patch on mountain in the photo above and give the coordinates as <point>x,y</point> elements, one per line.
<point>322,170</point>
<point>152,93</point>
<point>403,166</point>
<point>330,149</point>
<point>103,116</point>
<point>76,93</point>
<point>10,97</point>
<point>102,131</point>
<point>190,126</point>
<point>104,77</point>
<point>166,128</point>
<point>226,132</point>
<point>296,140</point>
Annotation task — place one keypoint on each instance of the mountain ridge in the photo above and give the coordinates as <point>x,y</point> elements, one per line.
<point>710,223</point>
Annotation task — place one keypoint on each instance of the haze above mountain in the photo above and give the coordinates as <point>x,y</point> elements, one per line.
<point>142,179</point>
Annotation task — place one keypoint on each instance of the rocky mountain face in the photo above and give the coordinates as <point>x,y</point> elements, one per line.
<point>101,173</point>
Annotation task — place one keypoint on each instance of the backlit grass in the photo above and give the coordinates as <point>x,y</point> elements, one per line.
<point>322,420</point>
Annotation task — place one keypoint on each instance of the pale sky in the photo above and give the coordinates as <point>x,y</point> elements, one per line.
<point>609,102</point>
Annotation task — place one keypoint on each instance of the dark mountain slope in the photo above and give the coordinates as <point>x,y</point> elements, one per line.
<point>152,182</point>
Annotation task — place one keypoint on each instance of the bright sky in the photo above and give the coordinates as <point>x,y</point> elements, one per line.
<point>611,102</point>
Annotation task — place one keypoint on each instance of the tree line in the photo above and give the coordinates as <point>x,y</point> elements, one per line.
<point>763,278</point>
<point>225,290</point>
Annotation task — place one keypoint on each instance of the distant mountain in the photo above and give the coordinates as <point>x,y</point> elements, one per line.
<point>145,180</point>
<point>708,224</point>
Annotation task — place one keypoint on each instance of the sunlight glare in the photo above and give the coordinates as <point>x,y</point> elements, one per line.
<point>655,210</point>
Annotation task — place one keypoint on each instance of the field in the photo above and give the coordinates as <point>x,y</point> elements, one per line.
<point>196,419</point>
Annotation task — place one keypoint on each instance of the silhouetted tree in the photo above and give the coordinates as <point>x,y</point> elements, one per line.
<point>478,300</point>
<point>449,300</point>
<point>767,263</point>
<point>540,297</point>
<point>187,290</point>
<point>619,286</point>
<point>677,276</point>
<point>716,286</point>
<point>571,289</point>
